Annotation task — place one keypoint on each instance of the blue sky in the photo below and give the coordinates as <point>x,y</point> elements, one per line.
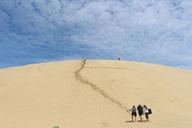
<point>152,31</point>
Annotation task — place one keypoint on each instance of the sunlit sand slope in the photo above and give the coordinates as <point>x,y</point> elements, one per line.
<point>94,94</point>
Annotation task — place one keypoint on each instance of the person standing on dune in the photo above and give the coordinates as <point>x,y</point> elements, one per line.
<point>133,113</point>
<point>146,112</point>
<point>140,111</point>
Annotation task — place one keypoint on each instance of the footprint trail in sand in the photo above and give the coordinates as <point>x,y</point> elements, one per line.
<point>100,91</point>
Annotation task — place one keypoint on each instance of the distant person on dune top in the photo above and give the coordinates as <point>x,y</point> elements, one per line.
<point>140,111</point>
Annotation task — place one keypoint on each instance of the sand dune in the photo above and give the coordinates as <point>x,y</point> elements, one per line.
<point>94,94</point>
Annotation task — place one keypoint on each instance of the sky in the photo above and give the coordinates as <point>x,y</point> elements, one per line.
<point>151,31</point>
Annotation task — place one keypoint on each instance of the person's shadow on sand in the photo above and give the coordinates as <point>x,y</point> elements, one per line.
<point>130,121</point>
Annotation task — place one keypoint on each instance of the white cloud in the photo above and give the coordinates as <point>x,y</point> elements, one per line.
<point>157,31</point>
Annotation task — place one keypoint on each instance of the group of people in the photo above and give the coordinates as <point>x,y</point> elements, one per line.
<point>141,110</point>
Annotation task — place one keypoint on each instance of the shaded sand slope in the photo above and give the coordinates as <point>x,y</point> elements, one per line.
<point>93,94</point>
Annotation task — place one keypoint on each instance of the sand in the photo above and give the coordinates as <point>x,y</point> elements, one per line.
<point>94,94</point>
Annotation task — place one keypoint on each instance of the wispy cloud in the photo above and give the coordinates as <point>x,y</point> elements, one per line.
<point>156,31</point>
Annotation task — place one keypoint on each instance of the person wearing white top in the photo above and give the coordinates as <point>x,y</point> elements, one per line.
<point>146,112</point>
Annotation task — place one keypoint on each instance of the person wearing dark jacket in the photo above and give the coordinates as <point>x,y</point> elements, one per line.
<point>140,111</point>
